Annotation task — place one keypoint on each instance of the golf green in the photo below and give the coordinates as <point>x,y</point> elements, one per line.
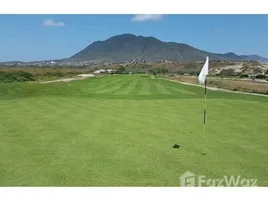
<point>119,130</point>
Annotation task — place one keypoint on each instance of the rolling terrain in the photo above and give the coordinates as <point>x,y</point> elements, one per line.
<point>119,130</point>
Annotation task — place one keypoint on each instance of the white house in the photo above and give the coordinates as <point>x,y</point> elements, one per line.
<point>86,75</point>
<point>110,70</point>
<point>99,71</point>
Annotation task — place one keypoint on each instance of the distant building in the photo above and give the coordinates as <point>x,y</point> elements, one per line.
<point>110,71</point>
<point>86,75</point>
<point>99,71</point>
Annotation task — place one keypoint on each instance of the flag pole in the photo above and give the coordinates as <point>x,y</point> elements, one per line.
<point>205,112</point>
<point>205,109</point>
<point>202,78</point>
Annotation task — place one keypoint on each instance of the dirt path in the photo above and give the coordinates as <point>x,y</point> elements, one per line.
<point>81,77</point>
<point>59,80</point>
<point>219,89</point>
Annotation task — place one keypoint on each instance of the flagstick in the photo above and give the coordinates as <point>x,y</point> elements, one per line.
<point>205,110</point>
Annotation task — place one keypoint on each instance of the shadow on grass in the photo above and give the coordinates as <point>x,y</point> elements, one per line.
<point>188,149</point>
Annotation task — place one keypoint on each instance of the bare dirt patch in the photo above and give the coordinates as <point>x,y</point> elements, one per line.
<point>237,86</point>
<point>79,77</point>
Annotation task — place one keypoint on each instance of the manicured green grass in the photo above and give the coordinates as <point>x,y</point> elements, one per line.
<point>119,131</point>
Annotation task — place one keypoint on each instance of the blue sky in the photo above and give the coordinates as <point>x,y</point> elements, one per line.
<point>42,37</point>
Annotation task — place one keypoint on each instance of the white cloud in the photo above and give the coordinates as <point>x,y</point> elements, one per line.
<point>142,18</point>
<point>50,22</point>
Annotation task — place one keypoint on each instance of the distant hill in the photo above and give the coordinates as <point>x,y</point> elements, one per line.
<point>127,47</point>
<point>255,58</point>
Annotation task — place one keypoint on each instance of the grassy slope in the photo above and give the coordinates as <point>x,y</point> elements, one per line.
<point>119,130</point>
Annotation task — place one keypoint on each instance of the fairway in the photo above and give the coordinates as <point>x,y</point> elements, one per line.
<point>118,130</point>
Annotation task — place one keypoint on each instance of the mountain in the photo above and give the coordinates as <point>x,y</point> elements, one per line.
<point>255,58</point>
<point>127,47</point>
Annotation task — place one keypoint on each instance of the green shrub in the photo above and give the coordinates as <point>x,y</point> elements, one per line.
<point>244,76</point>
<point>17,76</point>
<point>56,73</point>
<point>192,73</point>
<point>260,76</point>
<point>179,72</point>
<point>227,72</point>
<point>121,70</point>
<point>161,71</point>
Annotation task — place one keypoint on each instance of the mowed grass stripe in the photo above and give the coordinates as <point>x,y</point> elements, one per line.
<point>185,92</point>
<point>137,88</point>
<point>145,89</point>
<point>107,87</point>
<point>171,90</point>
<point>152,86</point>
<point>130,87</point>
<point>175,87</point>
<point>176,91</point>
<point>98,83</point>
<point>124,87</point>
<point>161,88</point>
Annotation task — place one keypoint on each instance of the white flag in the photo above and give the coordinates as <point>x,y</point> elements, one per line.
<point>204,72</point>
